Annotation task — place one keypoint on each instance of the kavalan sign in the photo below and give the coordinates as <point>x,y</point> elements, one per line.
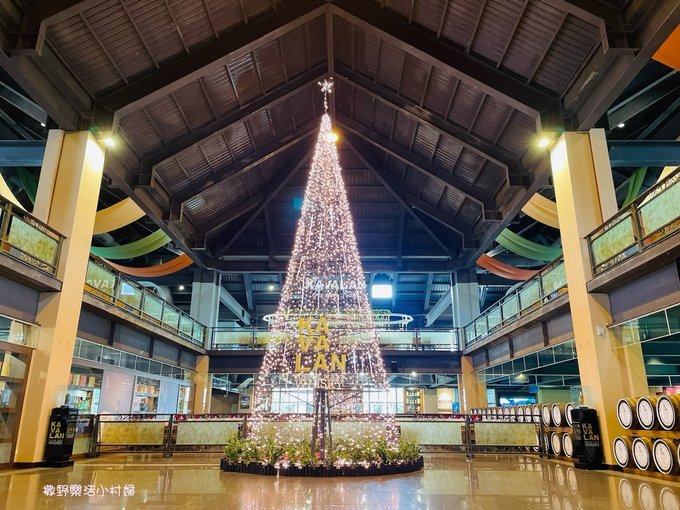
<point>313,340</point>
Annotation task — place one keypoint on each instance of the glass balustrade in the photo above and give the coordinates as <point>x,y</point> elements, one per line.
<point>427,339</point>
<point>114,288</point>
<point>26,239</point>
<point>652,217</point>
<point>550,283</point>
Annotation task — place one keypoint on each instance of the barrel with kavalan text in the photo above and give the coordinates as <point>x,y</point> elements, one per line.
<point>622,448</point>
<point>668,411</point>
<point>646,412</point>
<point>664,453</point>
<point>626,412</point>
<point>642,453</point>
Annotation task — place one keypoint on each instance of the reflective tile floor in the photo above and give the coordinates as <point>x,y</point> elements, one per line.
<point>447,482</point>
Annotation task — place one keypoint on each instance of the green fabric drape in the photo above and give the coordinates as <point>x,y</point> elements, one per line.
<point>529,249</point>
<point>29,183</point>
<point>634,185</point>
<point>131,250</point>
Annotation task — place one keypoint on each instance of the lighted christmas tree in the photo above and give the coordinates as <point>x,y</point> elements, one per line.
<point>323,338</point>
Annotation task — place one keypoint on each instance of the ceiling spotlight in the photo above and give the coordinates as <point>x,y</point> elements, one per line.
<point>180,288</point>
<point>621,124</point>
<point>108,141</point>
<point>42,124</point>
<point>414,374</point>
<point>270,287</point>
<point>332,137</point>
<point>543,142</point>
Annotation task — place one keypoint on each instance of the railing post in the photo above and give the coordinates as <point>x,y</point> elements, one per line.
<point>167,447</point>
<point>637,226</point>
<point>4,230</point>
<point>468,438</point>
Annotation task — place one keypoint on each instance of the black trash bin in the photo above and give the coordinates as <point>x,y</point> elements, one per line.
<point>587,442</point>
<point>61,432</point>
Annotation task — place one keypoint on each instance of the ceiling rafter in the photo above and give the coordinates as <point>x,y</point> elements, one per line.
<point>283,177</point>
<point>481,198</point>
<point>486,149</point>
<point>464,231</point>
<point>419,42</point>
<point>210,57</point>
<point>236,168</point>
<point>403,203</point>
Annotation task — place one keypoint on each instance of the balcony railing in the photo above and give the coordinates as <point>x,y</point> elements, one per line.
<point>114,288</point>
<point>27,239</point>
<point>407,340</point>
<point>550,283</point>
<point>652,217</point>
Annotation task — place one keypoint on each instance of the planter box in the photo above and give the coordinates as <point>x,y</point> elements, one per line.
<point>323,471</point>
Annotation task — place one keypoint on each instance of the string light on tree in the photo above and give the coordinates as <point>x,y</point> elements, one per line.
<point>323,338</point>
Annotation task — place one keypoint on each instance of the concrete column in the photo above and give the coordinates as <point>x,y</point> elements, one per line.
<point>464,296</point>
<point>585,199</point>
<point>67,201</point>
<point>472,392</point>
<point>205,297</point>
<point>202,386</point>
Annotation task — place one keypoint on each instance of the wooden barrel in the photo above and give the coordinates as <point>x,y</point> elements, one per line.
<point>546,417</point>
<point>627,414</point>
<point>642,453</point>
<point>556,443</point>
<point>546,442</point>
<point>536,413</point>
<point>664,454</point>
<point>646,497</point>
<point>558,412</point>
<point>627,494</point>
<point>668,499</point>
<point>567,413</point>
<point>567,445</point>
<point>622,448</point>
<point>646,412</point>
<point>668,411</point>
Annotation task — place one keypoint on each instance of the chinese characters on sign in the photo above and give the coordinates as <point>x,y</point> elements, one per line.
<point>78,490</point>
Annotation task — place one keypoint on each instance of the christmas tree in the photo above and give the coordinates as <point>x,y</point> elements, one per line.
<point>322,337</point>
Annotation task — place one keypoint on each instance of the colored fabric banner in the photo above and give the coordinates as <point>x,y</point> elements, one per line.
<point>117,216</point>
<point>29,183</point>
<point>143,246</point>
<point>529,249</point>
<point>542,209</point>
<point>172,266</point>
<point>504,270</point>
<point>634,184</point>
<point>7,194</point>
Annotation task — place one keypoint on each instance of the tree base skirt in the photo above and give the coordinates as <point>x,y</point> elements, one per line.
<point>323,471</point>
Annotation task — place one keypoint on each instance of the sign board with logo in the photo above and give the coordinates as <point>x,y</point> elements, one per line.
<point>61,433</point>
<point>587,441</point>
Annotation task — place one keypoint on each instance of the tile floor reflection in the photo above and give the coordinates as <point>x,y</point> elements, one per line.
<point>447,482</point>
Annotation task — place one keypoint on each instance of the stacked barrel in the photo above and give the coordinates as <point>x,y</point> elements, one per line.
<point>557,429</point>
<point>517,413</point>
<point>654,439</point>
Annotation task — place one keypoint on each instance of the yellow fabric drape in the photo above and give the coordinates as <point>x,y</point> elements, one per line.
<point>542,209</point>
<point>169,267</point>
<point>7,194</point>
<point>117,216</point>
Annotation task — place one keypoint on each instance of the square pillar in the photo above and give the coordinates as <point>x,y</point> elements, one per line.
<point>472,392</point>
<point>202,386</point>
<point>585,199</point>
<point>464,296</point>
<point>66,200</point>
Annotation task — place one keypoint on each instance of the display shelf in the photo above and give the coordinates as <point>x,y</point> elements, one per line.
<point>654,433</point>
<point>13,380</point>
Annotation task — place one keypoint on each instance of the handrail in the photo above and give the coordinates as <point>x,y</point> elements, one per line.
<point>111,286</point>
<point>253,338</point>
<point>29,240</point>
<point>646,221</point>
<point>548,284</point>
